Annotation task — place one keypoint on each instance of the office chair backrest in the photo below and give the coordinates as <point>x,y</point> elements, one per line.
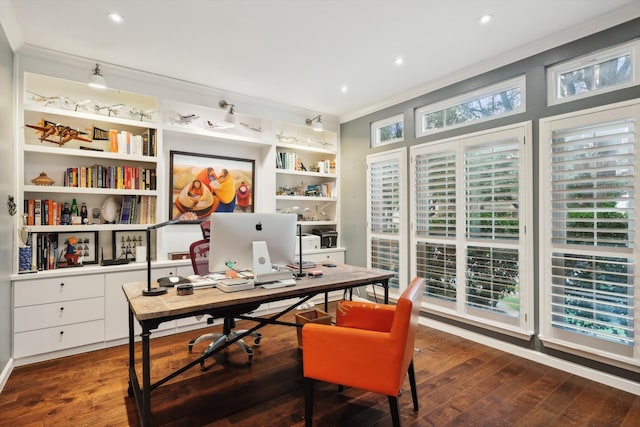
<point>205,226</point>
<point>199,252</point>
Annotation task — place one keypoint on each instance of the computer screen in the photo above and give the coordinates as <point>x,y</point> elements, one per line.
<point>233,234</point>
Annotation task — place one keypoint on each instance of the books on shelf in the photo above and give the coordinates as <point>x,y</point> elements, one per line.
<point>125,142</point>
<point>115,177</point>
<point>135,209</point>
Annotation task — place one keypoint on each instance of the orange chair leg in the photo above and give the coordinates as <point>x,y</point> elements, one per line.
<point>395,412</point>
<point>414,390</point>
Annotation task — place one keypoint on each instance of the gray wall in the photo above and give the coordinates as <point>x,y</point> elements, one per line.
<point>355,144</point>
<point>7,233</point>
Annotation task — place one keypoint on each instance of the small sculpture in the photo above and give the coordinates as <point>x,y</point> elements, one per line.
<point>42,179</point>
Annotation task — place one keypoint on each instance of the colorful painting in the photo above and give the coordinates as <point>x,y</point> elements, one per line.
<point>201,184</point>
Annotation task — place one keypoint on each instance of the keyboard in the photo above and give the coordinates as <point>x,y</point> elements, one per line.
<point>279,284</point>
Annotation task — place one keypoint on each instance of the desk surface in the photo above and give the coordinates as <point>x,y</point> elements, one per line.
<point>173,305</point>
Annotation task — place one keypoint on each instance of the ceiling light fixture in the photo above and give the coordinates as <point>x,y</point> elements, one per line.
<point>115,17</point>
<point>317,126</point>
<point>229,117</point>
<point>96,80</point>
<point>344,89</point>
<point>485,19</point>
<point>399,61</point>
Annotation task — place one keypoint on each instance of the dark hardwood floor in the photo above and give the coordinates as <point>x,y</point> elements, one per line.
<point>460,383</point>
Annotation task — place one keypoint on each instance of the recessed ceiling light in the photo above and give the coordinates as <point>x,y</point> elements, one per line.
<point>399,61</point>
<point>115,17</point>
<point>485,19</point>
<point>344,89</point>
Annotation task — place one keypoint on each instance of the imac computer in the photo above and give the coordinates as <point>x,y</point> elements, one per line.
<point>237,242</point>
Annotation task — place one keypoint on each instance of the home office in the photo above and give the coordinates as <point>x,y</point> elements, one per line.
<point>544,312</point>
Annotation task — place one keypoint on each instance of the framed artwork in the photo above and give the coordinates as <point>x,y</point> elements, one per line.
<point>77,248</point>
<point>126,241</point>
<point>201,184</point>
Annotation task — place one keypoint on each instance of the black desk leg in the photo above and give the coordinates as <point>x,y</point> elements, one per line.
<point>146,377</point>
<point>132,359</point>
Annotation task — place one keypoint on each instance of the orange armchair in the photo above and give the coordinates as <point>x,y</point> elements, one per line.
<point>371,348</point>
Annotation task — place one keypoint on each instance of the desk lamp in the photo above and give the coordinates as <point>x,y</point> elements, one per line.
<point>300,274</point>
<point>160,290</point>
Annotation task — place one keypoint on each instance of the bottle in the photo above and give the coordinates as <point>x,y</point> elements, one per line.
<point>84,213</point>
<point>65,216</point>
<point>74,208</point>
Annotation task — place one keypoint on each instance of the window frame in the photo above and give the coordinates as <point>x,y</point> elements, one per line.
<point>485,91</point>
<point>399,155</point>
<point>584,345</point>
<point>377,126</point>
<point>554,72</point>
<point>523,326</point>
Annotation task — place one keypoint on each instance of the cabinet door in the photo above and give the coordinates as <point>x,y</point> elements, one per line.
<point>116,308</point>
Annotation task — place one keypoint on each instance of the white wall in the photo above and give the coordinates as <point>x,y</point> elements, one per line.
<point>7,234</point>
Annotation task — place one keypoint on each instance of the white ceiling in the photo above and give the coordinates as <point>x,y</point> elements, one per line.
<point>301,52</point>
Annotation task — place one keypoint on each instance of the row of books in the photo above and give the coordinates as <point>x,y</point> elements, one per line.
<point>45,251</point>
<point>291,161</point>
<point>138,210</point>
<point>117,177</point>
<point>134,210</point>
<point>124,142</point>
<point>288,160</point>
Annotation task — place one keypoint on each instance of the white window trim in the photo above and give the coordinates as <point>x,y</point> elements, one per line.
<point>519,81</point>
<point>401,155</point>
<point>554,72</point>
<point>378,125</point>
<point>605,352</point>
<point>524,328</point>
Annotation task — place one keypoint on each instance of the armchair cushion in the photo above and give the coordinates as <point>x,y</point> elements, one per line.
<point>364,315</point>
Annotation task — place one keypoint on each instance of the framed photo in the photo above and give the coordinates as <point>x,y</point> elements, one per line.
<point>201,184</point>
<point>125,243</point>
<point>77,248</point>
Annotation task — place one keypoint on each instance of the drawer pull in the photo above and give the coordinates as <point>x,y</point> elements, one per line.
<point>62,284</point>
<point>61,308</point>
<point>61,333</point>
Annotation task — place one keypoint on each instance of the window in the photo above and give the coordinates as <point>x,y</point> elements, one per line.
<point>589,75</point>
<point>387,131</point>
<point>470,212</point>
<point>386,202</point>
<point>589,246</point>
<point>488,103</point>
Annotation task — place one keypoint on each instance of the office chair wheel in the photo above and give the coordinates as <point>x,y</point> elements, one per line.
<point>191,347</point>
<point>256,341</point>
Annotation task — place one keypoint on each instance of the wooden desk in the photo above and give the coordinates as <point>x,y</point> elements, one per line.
<point>150,311</point>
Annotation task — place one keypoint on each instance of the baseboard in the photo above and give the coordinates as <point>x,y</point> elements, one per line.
<point>4,376</point>
<point>536,356</point>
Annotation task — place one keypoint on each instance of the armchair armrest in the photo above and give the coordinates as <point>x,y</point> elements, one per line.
<point>352,357</point>
<point>365,315</point>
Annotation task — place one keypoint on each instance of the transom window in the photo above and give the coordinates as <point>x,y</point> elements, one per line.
<point>387,131</point>
<point>487,103</point>
<point>589,75</point>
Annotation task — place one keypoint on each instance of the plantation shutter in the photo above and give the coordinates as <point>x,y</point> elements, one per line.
<point>385,213</point>
<point>592,226</point>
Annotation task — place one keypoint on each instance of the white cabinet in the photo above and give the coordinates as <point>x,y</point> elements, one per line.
<point>54,314</point>
<point>116,307</point>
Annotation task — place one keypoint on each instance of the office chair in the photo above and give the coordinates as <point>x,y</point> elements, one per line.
<point>199,252</point>
<point>371,348</point>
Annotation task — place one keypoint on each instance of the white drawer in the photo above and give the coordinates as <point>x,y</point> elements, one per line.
<point>57,314</point>
<point>34,292</point>
<point>58,338</point>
